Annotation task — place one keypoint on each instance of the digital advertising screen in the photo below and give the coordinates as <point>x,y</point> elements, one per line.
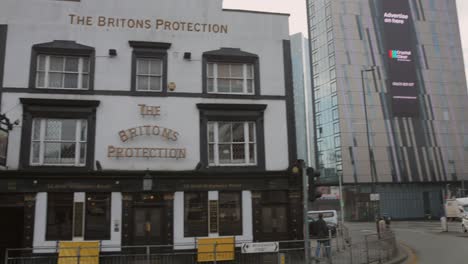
<point>400,46</point>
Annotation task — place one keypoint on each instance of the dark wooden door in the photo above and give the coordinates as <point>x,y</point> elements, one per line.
<point>11,230</point>
<point>149,226</point>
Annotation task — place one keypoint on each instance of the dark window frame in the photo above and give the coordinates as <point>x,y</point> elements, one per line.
<point>232,112</point>
<point>220,229</point>
<point>61,235</point>
<point>231,55</point>
<point>107,236</point>
<point>62,48</point>
<point>150,50</point>
<point>197,233</point>
<point>62,109</point>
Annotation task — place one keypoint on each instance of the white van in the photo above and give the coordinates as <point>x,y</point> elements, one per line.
<point>454,208</point>
<point>329,216</point>
<point>463,203</point>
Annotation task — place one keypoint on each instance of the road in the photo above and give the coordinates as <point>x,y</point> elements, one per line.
<point>426,241</point>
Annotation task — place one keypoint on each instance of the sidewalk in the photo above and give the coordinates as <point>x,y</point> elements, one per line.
<point>361,247</point>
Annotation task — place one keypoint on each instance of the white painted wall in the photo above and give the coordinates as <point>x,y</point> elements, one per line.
<point>41,245</point>
<point>38,21</point>
<point>181,114</point>
<point>182,243</point>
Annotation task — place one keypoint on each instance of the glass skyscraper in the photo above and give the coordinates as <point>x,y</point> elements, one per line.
<point>390,103</point>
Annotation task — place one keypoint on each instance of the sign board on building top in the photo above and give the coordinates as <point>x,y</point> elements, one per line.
<point>146,24</point>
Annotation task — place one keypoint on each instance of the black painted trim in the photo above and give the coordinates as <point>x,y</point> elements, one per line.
<point>145,94</point>
<point>232,112</point>
<point>149,45</point>
<point>289,91</point>
<point>3,40</point>
<point>256,12</point>
<point>150,50</point>
<point>227,55</point>
<point>52,108</point>
<point>63,48</point>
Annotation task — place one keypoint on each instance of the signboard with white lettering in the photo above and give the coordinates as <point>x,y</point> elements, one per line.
<point>264,247</point>
<point>399,42</point>
<point>375,197</point>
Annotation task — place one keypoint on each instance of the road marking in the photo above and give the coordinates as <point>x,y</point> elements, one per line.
<point>412,257</point>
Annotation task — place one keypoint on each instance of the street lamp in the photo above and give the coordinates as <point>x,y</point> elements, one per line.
<point>371,156</point>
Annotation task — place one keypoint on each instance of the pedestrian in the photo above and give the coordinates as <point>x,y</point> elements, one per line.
<point>323,239</point>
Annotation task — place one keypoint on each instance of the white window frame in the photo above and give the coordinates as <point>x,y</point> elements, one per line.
<point>247,142</point>
<point>47,71</point>
<point>244,78</point>
<point>149,75</point>
<point>42,141</point>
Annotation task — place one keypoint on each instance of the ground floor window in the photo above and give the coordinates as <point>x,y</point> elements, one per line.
<point>195,214</point>
<point>203,215</point>
<point>59,216</point>
<point>230,216</point>
<point>98,216</point>
<point>68,217</point>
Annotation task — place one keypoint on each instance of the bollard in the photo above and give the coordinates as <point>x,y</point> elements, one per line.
<point>6,256</point>
<point>367,250</point>
<point>148,253</point>
<point>444,224</point>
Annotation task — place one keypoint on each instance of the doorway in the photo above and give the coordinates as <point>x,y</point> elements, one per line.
<point>11,230</point>
<point>149,225</point>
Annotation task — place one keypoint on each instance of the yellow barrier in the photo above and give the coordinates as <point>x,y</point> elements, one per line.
<point>88,252</point>
<point>224,249</point>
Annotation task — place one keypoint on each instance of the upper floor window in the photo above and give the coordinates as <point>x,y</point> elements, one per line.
<point>58,133</point>
<point>233,78</point>
<point>232,135</point>
<point>59,142</point>
<point>149,66</point>
<point>232,143</point>
<point>62,65</point>
<point>149,74</point>
<point>230,71</point>
<point>62,72</point>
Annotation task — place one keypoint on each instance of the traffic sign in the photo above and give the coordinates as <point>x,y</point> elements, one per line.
<point>263,247</point>
<point>375,197</point>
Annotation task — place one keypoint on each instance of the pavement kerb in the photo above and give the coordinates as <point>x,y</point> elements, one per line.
<point>403,253</point>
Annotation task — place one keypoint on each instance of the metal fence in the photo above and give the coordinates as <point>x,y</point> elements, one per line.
<point>335,250</point>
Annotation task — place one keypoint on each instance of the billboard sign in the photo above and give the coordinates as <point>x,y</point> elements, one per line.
<point>397,25</point>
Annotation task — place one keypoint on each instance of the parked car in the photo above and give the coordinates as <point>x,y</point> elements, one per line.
<point>329,216</point>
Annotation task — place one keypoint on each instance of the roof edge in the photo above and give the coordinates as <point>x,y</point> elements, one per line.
<point>256,12</point>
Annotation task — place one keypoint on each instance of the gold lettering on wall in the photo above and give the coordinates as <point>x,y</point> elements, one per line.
<point>147,24</point>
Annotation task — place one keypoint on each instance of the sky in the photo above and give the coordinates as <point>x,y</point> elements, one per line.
<point>298,22</point>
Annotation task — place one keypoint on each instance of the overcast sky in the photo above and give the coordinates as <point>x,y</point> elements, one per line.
<point>297,21</point>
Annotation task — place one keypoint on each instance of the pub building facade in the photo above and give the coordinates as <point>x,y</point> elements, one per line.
<point>145,124</point>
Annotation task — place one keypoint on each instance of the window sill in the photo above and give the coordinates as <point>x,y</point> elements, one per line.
<point>55,88</point>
